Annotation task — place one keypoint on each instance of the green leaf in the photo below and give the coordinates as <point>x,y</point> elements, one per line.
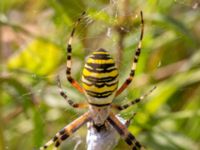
<point>39,57</point>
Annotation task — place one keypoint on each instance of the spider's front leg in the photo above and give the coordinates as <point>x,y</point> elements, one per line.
<point>135,61</point>
<point>124,133</point>
<point>69,60</point>
<point>67,131</point>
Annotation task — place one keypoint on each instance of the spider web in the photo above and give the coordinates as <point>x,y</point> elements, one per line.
<point>112,10</point>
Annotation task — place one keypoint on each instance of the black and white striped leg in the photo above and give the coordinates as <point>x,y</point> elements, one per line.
<point>64,95</point>
<point>73,82</point>
<point>67,131</point>
<point>135,60</point>
<point>135,101</point>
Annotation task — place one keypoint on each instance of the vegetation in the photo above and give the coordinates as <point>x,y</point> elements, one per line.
<point>33,41</point>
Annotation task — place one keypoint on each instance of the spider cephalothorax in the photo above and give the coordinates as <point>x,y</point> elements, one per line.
<point>100,82</point>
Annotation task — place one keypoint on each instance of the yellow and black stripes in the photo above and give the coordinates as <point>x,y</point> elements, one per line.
<point>100,94</point>
<point>69,55</point>
<point>67,131</point>
<point>100,75</point>
<point>105,68</point>
<point>135,59</point>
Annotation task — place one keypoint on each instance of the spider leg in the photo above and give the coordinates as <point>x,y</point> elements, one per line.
<point>136,56</point>
<point>69,60</point>
<point>127,123</point>
<point>70,102</point>
<point>67,131</point>
<point>133,102</point>
<point>124,133</point>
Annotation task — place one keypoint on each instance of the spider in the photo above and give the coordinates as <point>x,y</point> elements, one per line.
<point>100,86</point>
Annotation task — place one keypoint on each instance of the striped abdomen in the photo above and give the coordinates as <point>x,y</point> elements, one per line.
<point>100,77</point>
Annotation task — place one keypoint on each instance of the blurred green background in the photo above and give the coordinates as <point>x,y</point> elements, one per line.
<point>32,53</point>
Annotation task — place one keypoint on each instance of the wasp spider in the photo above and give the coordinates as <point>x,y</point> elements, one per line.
<point>100,86</point>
